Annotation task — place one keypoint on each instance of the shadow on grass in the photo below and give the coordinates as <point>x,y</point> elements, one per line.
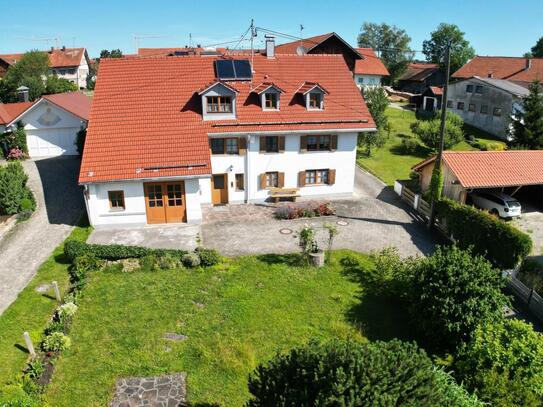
<point>420,151</point>
<point>62,259</point>
<point>292,260</point>
<point>21,348</point>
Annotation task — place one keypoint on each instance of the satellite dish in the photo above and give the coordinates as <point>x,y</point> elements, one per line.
<point>301,50</point>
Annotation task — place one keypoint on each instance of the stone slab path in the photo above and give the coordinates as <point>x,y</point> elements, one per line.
<point>158,391</point>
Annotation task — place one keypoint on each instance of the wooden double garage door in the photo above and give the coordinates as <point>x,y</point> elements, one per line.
<point>165,202</point>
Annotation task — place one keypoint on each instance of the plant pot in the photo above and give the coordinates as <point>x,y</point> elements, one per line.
<point>317,259</point>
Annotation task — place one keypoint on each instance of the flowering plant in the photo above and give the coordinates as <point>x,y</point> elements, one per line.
<point>16,154</point>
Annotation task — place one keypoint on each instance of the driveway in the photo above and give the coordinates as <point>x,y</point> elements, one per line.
<point>531,222</point>
<point>59,207</point>
<point>374,219</point>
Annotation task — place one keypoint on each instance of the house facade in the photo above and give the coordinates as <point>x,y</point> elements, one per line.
<point>369,71</point>
<point>218,131</point>
<point>486,103</point>
<point>420,76</point>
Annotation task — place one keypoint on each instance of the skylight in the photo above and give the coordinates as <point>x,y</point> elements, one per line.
<point>233,69</point>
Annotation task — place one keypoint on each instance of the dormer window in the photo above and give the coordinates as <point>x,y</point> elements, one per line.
<point>219,104</point>
<point>271,101</point>
<point>315,100</point>
<point>269,94</point>
<point>313,94</point>
<point>218,101</point>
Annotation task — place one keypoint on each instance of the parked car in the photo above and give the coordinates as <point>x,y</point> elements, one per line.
<point>497,203</point>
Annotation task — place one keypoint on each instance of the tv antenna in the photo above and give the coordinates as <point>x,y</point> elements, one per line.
<point>138,38</point>
<point>54,40</point>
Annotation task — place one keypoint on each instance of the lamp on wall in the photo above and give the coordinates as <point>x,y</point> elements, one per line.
<point>231,168</point>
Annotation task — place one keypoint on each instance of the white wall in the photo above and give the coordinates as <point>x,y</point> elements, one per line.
<point>367,80</point>
<point>75,74</point>
<point>230,165</point>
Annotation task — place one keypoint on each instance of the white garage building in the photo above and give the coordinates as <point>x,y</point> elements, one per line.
<point>51,123</point>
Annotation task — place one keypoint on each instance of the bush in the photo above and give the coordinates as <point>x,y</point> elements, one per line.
<point>13,395</point>
<point>190,260</point>
<point>453,292</point>
<point>13,189</point>
<point>82,265</point>
<point>455,394</point>
<point>149,263</point>
<point>80,141</point>
<point>504,364</point>
<point>389,275</point>
<point>348,374</point>
<point>428,131</point>
<point>16,139</point>
<point>55,325</point>
<point>304,210</point>
<point>208,257</point>
<point>502,244</point>
<point>56,342</point>
<point>66,311</point>
<point>410,145</point>
<point>27,204</point>
<point>168,262</point>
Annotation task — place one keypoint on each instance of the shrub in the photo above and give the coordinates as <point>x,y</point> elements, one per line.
<point>504,363</point>
<point>16,154</point>
<point>168,262</point>
<point>502,244</point>
<point>56,342</point>
<point>208,257</point>
<point>191,260</point>
<point>13,189</point>
<point>27,204</point>
<point>149,263</point>
<point>80,141</point>
<point>455,394</point>
<point>410,145</point>
<point>55,325</point>
<point>82,265</point>
<point>13,395</point>
<point>348,374</point>
<point>453,292</point>
<point>428,131</point>
<point>66,311</point>
<point>304,210</point>
<point>388,276</point>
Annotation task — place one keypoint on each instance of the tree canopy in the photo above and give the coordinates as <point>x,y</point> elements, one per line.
<point>537,49</point>
<point>392,45</point>
<point>29,71</point>
<point>428,131</point>
<point>461,50</point>
<point>526,130</point>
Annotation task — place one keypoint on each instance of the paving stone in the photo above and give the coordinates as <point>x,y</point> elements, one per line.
<point>174,337</point>
<point>168,390</point>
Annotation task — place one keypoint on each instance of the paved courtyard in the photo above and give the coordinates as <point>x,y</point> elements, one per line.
<point>531,222</point>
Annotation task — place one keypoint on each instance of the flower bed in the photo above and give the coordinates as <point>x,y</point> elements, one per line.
<point>304,210</point>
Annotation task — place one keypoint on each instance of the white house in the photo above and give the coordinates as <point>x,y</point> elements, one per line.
<point>51,123</point>
<point>170,134</point>
<point>369,71</point>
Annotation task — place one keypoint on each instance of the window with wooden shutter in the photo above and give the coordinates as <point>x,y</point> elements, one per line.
<point>303,143</point>
<point>263,180</point>
<point>301,178</point>
<point>333,142</point>
<point>262,144</point>
<point>242,145</point>
<point>281,180</point>
<point>331,177</point>
<point>281,144</point>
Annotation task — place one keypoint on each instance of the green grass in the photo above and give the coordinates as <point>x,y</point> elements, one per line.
<point>391,162</point>
<point>235,316</point>
<point>31,311</point>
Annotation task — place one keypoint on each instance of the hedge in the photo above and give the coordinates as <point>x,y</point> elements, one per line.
<point>501,243</point>
<point>74,249</point>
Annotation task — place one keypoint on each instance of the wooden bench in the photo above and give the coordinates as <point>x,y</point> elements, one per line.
<point>278,193</point>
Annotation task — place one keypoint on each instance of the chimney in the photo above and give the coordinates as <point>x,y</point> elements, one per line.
<point>22,94</point>
<point>491,74</point>
<point>64,47</point>
<point>52,49</point>
<point>270,46</point>
<point>528,64</point>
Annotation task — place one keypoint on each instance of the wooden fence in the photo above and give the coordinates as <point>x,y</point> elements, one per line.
<point>416,202</point>
<point>526,295</point>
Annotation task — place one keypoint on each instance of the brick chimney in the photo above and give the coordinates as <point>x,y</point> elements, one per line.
<point>528,64</point>
<point>270,46</point>
<point>491,74</point>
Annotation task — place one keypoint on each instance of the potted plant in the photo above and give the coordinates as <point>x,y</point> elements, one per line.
<point>310,247</point>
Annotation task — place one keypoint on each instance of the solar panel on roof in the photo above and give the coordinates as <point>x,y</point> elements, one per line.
<point>238,69</point>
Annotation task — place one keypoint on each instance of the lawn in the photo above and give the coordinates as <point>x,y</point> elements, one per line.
<point>391,162</point>
<point>31,311</point>
<point>235,316</point>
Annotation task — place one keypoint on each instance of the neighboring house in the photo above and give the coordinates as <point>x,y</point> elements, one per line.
<point>486,103</point>
<point>515,69</point>
<point>51,123</point>
<point>178,51</point>
<point>419,76</point>
<point>370,70</point>
<point>465,171</point>
<point>4,65</point>
<point>68,63</point>
<point>170,134</point>
<point>429,100</point>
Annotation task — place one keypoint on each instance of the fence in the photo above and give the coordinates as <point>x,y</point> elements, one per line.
<point>528,296</point>
<point>416,202</point>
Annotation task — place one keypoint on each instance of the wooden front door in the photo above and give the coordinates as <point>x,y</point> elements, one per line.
<point>219,189</point>
<point>165,202</point>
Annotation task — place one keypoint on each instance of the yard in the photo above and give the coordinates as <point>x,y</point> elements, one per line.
<point>235,316</point>
<point>392,162</point>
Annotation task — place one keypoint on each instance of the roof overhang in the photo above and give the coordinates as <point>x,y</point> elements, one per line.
<point>307,87</point>
<point>264,86</point>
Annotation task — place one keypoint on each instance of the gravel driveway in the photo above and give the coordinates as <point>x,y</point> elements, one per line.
<point>59,207</point>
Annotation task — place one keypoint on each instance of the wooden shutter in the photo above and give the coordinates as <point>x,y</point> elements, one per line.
<point>301,179</point>
<point>263,180</point>
<point>333,142</point>
<point>331,177</point>
<point>281,179</point>
<point>242,146</point>
<point>303,144</point>
<point>262,140</point>
<point>281,142</point>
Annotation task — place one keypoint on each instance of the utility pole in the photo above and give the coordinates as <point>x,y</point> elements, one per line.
<point>439,157</point>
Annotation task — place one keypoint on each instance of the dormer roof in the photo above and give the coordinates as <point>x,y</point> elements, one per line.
<point>309,86</point>
<point>264,86</point>
<point>211,85</point>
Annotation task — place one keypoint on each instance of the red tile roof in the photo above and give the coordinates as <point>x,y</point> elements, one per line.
<point>265,86</point>
<point>370,65</point>
<point>511,68</point>
<point>418,72</point>
<point>146,112</point>
<point>309,86</point>
<point>493,169</point>
<point>10,111</point>
<point>58,58</point>
<point>146,52</point>
<point>307,43</point>
<point>436,90</point>
<point>76,103</point>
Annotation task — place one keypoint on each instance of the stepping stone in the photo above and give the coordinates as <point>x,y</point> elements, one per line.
<point>168,390</point>
<point>43,288</point>
<point>175,337</point>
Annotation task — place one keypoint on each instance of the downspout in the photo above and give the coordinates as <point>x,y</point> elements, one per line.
<point>247,168</point>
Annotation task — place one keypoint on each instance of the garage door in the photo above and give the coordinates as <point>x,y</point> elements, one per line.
<point>51,142</point>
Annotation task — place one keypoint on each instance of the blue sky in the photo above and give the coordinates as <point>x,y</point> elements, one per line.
<point>493,28</point>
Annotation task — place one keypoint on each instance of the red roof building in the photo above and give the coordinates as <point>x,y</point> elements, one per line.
<point>515,69</point>
<point>419,76</point>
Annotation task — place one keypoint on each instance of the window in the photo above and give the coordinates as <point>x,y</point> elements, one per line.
<point>471,107</point>
<point>449,104</point>
<point>469,89</point>
<point>272,144</point>
<point>240,182</point>
<point>315,100</point>
<point>460,105</point>
<point>219,104</point>
<point>360,80</point>
<point>116,199</point>
<point>271,101</point>
<point>272,179</point>
<point>154,196</point>
<point>175,195</point>
<point>497,111</point>
<point>318,143</point>
<point>315,177</point>
<point>479,89</point>
<point>224,146</point>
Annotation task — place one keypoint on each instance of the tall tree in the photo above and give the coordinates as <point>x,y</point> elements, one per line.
<point>461,50</point>
<point>29,71</point>
<point>537,49</point>
<point>392,44</point>
<point>526,128</point>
